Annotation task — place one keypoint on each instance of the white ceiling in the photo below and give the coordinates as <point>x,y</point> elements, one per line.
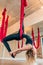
<point>35,28</point>
<point>13,8</point>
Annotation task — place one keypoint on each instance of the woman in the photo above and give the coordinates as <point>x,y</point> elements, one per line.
<point>30,54</point>
<point>16,37</point>
<point>24,48</point>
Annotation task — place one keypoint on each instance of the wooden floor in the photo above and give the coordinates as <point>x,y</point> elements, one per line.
<point>14,62</point>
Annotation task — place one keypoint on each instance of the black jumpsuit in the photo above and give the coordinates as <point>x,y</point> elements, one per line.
<point>16,37</point>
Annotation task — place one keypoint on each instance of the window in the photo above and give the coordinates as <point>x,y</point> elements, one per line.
<point>42,44</point>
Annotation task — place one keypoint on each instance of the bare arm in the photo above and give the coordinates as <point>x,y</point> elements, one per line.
<point>27,47</point>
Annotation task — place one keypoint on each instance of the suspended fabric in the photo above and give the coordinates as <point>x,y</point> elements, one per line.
<point>33,37</point>
<point>23,5</point>
<point>38,39</point>
<point>4,25</point>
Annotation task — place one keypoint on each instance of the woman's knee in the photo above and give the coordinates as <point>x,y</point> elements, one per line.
<point>4,39</point>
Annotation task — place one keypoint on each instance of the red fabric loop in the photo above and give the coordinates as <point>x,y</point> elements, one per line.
<point>38,40</point>
<point>3,28</point>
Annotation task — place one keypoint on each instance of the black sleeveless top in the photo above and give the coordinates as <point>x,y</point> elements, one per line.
<point>28,39</point>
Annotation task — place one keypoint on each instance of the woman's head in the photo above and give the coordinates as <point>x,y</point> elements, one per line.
<point>31,54</point>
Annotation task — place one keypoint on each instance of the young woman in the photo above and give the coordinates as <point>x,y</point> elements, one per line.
<point>24,48</point>
<point>30,54</point>
<point>17,37</point>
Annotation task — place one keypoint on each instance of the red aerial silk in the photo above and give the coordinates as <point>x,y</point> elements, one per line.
<point>38,40</point>
<point>4,25</point>
<point>33,37</point>
<point>0,33</point>
<point>23,4</point>
<point>18,44</point>
<point>22,43</point>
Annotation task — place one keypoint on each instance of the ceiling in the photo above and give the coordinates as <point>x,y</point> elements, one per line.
<point>35,28</point>
<point>13,8</point>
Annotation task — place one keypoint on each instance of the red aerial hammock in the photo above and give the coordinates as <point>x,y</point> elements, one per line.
<point>23,5</point>
<point>38,39</point>
<point>33,37</point>
<point>38,43</point>
<point>4,25</point>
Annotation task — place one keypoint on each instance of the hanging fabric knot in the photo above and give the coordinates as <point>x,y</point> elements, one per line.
<point>3,13</point>
<point>4,25</point>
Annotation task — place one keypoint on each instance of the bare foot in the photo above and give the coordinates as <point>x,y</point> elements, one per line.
<point>14,54</point>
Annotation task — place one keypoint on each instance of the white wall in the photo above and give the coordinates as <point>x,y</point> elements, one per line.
<point>34,18</point>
